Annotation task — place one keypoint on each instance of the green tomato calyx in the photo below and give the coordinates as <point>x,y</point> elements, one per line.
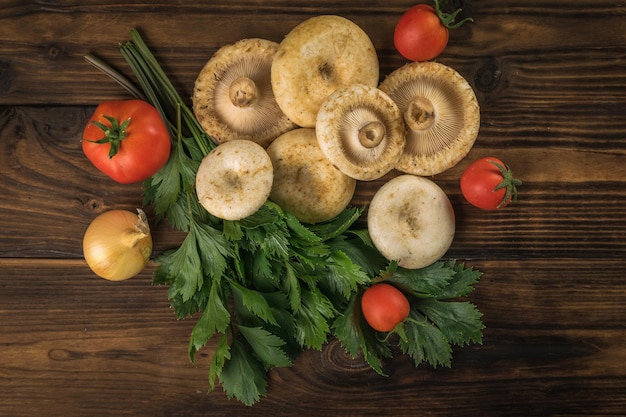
<point>448,19</point>
<point>113,134</point>
<point>508,182</point>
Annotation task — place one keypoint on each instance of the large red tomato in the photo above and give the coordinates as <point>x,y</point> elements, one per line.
<point>384,307</point>
<point>127,140</point>
<point>489,184</point>
<point>422,32</point>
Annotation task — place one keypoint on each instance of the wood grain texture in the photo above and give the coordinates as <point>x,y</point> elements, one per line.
<point>550,77</point>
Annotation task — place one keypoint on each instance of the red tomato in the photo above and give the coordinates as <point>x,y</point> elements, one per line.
<point>419,34</point>
<point>422,32</point>
<point>127,140</point>
<point>384,307</point>
<point>489,184</point>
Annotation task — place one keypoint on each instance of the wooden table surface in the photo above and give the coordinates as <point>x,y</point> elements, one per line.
<point>550,77</point>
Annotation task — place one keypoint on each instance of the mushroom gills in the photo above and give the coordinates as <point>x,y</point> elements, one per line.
<point>233,96</point>
<point>441,113</point>
<point>360,130</point>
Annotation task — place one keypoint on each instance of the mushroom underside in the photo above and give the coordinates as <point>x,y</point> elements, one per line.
<point>441,113</point>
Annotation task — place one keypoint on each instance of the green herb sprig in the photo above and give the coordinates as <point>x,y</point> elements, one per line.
<point>268,286</point>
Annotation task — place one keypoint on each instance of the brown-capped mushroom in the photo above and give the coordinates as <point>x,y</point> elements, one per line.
<point>441,113</point>
<point>360,130</point>
<point>314,59</point>
<point>233,97</point>
<point>306,184</point>
<point>235,179</point>
<point>411,220</point>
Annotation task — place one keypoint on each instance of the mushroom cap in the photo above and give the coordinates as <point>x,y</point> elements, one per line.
<point>233,97</point>
<point>441,113</point>
<point>235,179</point>
<point>315,58</point>
<point>306,183</point>
<point>411,220</point>
<point>360,130</point>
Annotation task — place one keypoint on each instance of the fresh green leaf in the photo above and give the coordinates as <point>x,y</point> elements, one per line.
<point>312,318</point>
<point>425,342</point>
<point>254,302</point>
<point>463,281</point>
<point>338,225</point>
<point>214,249</point>
<point>291,286</point>
<point>460,322</point>
<point>266,346</point>
<point>214,319</point>
<point>344,276</point>
<point>243,376</point>
<point>356,337</point>
<point>186,267</point>
<point>221,355</point>
<point>430,281</point>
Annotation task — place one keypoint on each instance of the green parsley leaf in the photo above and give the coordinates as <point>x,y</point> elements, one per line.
<point>458,321</point>
<point>312,318</point>
<point>265,345</point>
<point>344,276</point>
<point>254,302</point>
<point>221,355</point>
<point>355,336</point>
<point>430,281</point>
<point>425,342</point>
<point>243,376</point>
<point>463,281</point>
<point>214,319</point>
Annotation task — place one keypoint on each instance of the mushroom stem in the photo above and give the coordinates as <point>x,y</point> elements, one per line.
<point>243,92</point>
<point>371,134</point>
<point>419,114</point>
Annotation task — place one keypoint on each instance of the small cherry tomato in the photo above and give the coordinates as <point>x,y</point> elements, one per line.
<point>384,307</point>
<point>489,184</point>
<point>127,140</point>
<point>422,32</point>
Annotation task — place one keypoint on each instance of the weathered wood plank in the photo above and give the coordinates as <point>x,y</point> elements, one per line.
<point>74,344</point>
<point>45,65</point>
<point>550,79</point>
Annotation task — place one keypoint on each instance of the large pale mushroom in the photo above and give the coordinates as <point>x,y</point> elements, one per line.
<point>411,220</point>
<point>233,97</point>
<point>306,183</point>
<point>360,130</point>
<point>314,59</point>
<point>235,179</point>
<point>441,113</point>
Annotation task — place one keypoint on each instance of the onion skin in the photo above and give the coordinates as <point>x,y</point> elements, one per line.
<point>117,244</point>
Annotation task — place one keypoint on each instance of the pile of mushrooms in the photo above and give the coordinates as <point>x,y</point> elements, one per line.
<point>320,121</point>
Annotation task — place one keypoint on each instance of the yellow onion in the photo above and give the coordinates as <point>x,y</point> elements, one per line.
<point>117,244</point>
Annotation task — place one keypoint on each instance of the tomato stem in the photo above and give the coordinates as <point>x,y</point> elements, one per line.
<point>447,19</point>
<point>508,182</point>
<point>114,134</point>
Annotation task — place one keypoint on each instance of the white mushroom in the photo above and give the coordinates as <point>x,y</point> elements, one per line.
<point>306,184</point>
<point>441,113</point>
<point>411,220</point>
<point>233,97</point>
<point>314,59</point>
<point>235,179</point>
<point>360,130</point>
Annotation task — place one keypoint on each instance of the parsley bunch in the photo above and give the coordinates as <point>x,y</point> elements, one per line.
<point>268,286</point>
